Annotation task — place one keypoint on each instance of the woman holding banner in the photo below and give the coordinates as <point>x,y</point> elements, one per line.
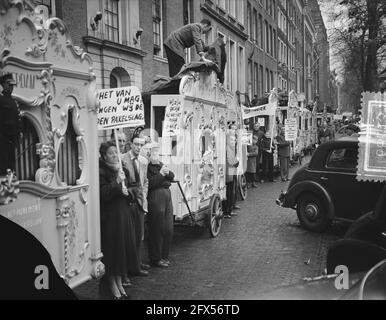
<point>117,227</point>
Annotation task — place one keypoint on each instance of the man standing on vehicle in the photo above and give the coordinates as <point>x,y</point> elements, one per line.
<point>184,38</point>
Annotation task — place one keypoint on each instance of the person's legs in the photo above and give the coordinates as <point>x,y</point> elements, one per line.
<point>282,161</point>
<point>175,62</point>
<point>286,168</point>
<point>270,166</point>
<point>228,203</point>
<point>114,287</point>
<point>168,226</point>
<point>155,221</point>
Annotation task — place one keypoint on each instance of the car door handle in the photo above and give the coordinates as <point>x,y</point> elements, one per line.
<point>324,178</point>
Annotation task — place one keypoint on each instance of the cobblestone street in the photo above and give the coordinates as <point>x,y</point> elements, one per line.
<point>262,248</point>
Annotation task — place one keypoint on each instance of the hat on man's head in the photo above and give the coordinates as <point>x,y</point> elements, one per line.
<point>7,78</point>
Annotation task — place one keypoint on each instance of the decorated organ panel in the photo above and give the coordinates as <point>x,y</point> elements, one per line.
<point>56,157</point>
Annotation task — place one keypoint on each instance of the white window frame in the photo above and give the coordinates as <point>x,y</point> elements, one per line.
<point>161,52</point>
<point>240,75</point>
<point>119,26</point>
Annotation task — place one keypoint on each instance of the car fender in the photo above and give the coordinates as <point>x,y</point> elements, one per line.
<point>299,188</point>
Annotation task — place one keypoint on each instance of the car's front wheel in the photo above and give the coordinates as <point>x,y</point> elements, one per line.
<point>312,213</point>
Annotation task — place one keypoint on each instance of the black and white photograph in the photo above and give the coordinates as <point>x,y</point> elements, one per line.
<point>187,156</point>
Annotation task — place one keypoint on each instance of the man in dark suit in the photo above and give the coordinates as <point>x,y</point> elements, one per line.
<point>10,124</point>
<point>137,167</point>
<point>183,38</point>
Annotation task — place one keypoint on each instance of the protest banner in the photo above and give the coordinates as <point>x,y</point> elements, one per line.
<point>246,137</point>
<point>120,108</point>
<point>261,122</point>
<point>291,129</point>
<point>268,109</point>
<point>171,125</point>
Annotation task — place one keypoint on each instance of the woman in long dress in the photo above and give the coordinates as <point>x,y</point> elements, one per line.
<point>117,228</point>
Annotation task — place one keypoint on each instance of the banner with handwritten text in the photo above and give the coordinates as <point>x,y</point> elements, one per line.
<point>172,117</point>
<point>120,108</point>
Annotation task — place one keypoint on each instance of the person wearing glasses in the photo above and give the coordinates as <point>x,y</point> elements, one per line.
<point>184,38</point>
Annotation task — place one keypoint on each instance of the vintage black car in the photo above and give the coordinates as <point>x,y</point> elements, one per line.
<point>326,188</point>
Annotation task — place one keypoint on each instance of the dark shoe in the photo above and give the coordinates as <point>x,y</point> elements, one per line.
<point>166,261</point>
<point>284,180</point>
<point>159,264</point>
<point>254,185</point>
<point>127,283</point>
<point>142,273</point>
<point>287,179</point>
<point>145,266</point>
<point>125,296</point>
<point>228,215</point>
<point>236,207</point>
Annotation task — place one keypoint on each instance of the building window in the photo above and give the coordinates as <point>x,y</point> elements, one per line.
<point>119,77</point>
<point>157,27</point>
<point>232,8</point>
<point>274,44</point>
<point>266,37</point>
<point>27,161</point>
<point>267,82</point>
<point>255,26</point>
<point>241,66</point>
<point>249,21</point>
<point>240,11</point>
<point>261,82</point>
<point>256,80</point>
<point>261,36</point>
<point>112,20</point>
<point>68,157</point>
<point>232,66</point>
<point>272,80</point>
<point>221,4</point>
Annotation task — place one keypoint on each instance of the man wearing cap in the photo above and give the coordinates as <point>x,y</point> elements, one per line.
<point>10,124</point>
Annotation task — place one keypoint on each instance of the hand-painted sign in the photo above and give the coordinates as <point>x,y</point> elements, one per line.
<point>291,129</point>
<point>120,108</point>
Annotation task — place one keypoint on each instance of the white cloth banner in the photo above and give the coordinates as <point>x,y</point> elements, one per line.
<point>246,137</point>
<point>268,109</point>
<point>291,129</point>
<point>120,108</point>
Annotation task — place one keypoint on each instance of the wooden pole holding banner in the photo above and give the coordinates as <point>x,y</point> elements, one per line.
<point>119,154</point>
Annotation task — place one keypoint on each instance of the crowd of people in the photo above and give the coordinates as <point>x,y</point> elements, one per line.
<point>260,164</point>
<point>133,187</point>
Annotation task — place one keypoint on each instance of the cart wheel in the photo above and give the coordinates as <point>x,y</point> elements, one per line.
<point>243,187</point>
<point>215,215</point>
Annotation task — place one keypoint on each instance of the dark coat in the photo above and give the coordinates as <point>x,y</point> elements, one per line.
<point>283,147</point>
<point>117,223</point>
<point>186,37</point>
<point>156,179</point>
<point>10,120</point>
<point>253,151</point>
